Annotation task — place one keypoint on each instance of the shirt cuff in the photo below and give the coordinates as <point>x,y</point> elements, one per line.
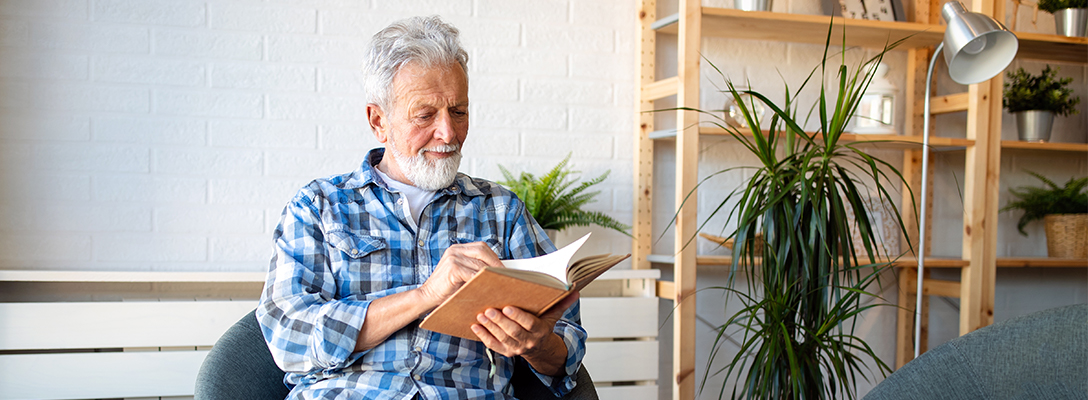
<point>574,338</point>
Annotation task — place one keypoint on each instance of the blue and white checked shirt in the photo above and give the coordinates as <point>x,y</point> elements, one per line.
<point>344,241</point>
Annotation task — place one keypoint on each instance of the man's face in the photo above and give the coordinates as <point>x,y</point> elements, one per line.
<point>424,131</point>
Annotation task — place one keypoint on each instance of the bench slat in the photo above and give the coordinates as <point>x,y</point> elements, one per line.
<point>644,392</point>
<point>622,361</point>
<point>620,317</point>
<point>96,325</point>
<point>99,375</point>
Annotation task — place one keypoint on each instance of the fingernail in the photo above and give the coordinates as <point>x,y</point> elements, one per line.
<point>481,318</point>
<point>491,313</point>
<point>509,311</point>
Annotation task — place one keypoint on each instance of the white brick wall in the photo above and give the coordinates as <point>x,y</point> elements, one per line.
<point>168,134</point>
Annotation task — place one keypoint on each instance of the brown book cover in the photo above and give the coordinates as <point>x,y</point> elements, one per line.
<point>533,289</point>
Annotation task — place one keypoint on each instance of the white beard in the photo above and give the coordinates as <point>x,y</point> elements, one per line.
<point>425,174</point>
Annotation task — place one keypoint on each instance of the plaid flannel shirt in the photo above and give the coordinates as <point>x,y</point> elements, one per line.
<point>344,241</point>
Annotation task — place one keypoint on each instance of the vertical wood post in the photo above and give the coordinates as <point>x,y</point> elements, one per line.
<point>687,171</point>
<point>976,299</point>
<point>642,228</point>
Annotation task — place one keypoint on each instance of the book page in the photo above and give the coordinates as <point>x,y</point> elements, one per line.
<point>554,263</point>
<point>532,276</point>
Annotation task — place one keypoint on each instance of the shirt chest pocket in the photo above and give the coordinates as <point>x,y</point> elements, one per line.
<point>363,263</point>
<point>355,245</point>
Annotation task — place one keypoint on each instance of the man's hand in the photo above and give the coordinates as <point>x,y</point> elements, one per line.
<point>514,332</point>
<point>389,314</point>
<point>459,263</point>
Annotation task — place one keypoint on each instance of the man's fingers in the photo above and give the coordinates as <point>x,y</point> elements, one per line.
<point>504,329</point>
<point>479,253</point>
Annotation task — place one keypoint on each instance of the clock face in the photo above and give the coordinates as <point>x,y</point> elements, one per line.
<point>878,10</point>
<point>853,9</point>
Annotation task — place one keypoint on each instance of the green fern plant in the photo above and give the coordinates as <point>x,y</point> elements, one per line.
<point>1038,202</point>
<point>555,204</point>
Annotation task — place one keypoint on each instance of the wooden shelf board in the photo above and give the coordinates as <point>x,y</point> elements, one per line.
<point>934,262</point>
<point>901,262</point>
<point>1016,144</point>
<point>812,29</point>
<point>890,141</point>
<point>1041,262</point>
<point>1040,46</point>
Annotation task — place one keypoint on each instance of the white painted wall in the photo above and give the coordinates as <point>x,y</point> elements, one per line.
<point>167,135</point>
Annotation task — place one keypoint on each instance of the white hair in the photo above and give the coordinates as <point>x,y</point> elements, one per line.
<point>424,41</point>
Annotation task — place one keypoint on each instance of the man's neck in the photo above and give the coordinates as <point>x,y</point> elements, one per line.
<point>388,166</point>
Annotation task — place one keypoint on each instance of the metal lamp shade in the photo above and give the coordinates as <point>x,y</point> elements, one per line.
<point>976,47</point>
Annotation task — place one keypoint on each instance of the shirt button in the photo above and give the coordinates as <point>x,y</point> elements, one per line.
<point>419,349</point>
<point>417,377</point>
<point>354,252</point>
<point>420,243</point>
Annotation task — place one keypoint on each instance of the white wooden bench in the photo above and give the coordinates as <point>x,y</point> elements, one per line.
<point>58,340</point>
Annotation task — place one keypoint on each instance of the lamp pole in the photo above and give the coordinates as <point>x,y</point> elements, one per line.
<point>921,251</point>
<point>978,48</point>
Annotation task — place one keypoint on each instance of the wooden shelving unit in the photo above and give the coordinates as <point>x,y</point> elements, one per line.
<point>982,147</point>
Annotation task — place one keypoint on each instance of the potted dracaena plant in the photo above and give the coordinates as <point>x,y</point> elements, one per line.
<point>1063,209</point>
<point>556,203</point>
<point>1070,16</point>
<point>806,280</point>
<point>1036,99</point>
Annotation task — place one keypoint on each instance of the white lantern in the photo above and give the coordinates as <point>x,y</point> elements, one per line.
<point>876,110</point>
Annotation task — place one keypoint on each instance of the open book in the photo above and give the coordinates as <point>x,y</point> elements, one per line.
<point>531,284</point>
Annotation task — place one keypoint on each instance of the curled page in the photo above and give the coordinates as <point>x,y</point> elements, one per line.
<point>553,264</point>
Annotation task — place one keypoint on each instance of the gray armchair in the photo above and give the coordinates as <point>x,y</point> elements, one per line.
<point>1043,355</point>
<point>240,367</point>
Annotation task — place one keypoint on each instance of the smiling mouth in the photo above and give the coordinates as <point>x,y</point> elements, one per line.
<point>442,151</point>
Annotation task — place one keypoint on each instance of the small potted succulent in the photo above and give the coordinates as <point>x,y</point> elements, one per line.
<point>1063,209</point>
<point>1070,16</point>
<point>1036,99</point>
<point>555,204</point>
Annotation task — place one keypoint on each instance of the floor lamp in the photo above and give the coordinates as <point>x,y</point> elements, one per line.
<point>976,48</point>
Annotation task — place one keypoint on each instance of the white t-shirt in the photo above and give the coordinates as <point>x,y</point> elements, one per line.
<point>417,198</point>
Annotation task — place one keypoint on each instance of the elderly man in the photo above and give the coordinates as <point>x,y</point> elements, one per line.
<point>360,258</point>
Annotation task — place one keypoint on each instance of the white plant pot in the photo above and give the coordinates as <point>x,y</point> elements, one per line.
<point>1034,125</point>
<point>1071,22</point>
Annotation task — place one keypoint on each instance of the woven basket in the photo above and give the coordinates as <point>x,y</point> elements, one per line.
<point>1067,235</point>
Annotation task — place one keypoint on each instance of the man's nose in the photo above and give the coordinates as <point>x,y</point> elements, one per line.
<point>444,128</point>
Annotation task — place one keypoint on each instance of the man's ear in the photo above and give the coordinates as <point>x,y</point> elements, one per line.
<point>375,116</point>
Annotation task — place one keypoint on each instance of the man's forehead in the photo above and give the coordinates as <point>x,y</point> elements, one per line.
<point>429,84</point>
